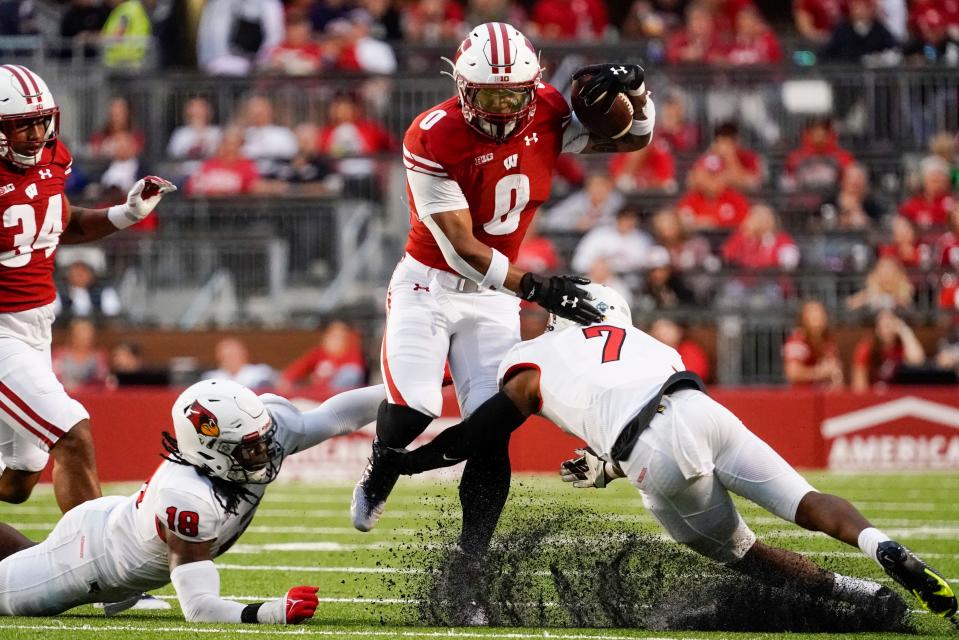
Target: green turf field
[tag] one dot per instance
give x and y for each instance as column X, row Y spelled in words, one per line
column 302, row 535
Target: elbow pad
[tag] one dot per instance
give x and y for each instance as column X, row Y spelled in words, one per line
column 197, row 587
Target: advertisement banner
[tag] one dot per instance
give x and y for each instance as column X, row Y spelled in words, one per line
column 901, row 431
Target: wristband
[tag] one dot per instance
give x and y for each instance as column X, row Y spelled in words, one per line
column 497, row 271
column 645, row 127
column 121, row 217
column 248, row 615
column 635, row 93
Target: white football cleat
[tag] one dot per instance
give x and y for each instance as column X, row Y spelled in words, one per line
column 374, row 487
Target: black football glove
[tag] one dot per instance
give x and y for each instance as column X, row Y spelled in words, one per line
column 561, row 295
column 611, row 78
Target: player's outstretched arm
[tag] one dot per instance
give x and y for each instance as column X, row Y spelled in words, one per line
column 562, row 295
column 342, row 414
column 492, row 423
column 608, row 80
column 87, row 225
column 197, row 584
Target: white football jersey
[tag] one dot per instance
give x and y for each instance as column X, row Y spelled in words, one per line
column 593, row 380
column 177, row 500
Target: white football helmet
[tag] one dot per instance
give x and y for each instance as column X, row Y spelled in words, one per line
column 496, row 70
column 24, row 97
column 606, row 300
column 223, row 429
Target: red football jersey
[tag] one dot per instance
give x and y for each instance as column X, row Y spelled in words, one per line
column 502, row 184
column 34, row 214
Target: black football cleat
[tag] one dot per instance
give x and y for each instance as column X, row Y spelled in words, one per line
column 924, row 582
column 370, row 494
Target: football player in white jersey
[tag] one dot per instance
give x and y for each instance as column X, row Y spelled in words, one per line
column 644, row 417
column 228, row 445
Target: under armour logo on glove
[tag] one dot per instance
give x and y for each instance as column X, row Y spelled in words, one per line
column 569, row 302
column 618, row 70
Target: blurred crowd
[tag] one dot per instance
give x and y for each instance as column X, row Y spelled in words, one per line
column 337, row 363
column 235, row 37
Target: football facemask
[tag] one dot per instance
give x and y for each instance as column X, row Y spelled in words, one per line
column 257, row 458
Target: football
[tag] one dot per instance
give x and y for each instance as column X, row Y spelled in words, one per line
column 609, row 123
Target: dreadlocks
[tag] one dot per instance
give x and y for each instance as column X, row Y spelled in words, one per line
column 228, row 494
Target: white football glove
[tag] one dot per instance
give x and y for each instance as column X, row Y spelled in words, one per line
column 297, row 605
column 589, row 470
column 141, row 201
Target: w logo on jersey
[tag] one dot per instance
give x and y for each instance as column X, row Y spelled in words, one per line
column 31, row 190
column 511, row 162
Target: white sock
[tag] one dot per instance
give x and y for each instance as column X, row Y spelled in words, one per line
column 869, row 540
column 854, row 589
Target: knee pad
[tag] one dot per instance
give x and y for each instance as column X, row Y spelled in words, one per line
column 397, row 425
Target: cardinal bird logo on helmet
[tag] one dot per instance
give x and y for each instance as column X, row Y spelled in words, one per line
column 203, row 420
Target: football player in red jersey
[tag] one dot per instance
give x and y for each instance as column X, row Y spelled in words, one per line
column 478, row 166
column 37, row 417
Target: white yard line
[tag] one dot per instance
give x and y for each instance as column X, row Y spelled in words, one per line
column 307, row 631
column 227, row 566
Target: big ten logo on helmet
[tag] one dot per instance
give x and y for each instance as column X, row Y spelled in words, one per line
column 203, row 420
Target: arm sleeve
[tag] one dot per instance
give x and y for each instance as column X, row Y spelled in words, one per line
column 343, row 413
column 431, row 187
column 197, row 587
column 434, row 194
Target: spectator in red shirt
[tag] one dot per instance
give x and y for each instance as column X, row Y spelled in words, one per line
column 568, row 19
column 673, row 124
column 686, row 251
column 810, row 354
column 726, row 12
column 699, row 42
column 298, row 54
column 759, row 243
column 119, row 120
column 879, row 355
column 819, row 161
column 816, row 19
column 228, row 173
column 742, row 168
column 947, row 245
column 348, row 136
column 433, row 21
column 905, row 247
column 674, row 335
column 712, row 202
column 335, row 365
column 947, row 9
column 650, row 168
column 754, row 42
column 934, row 203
